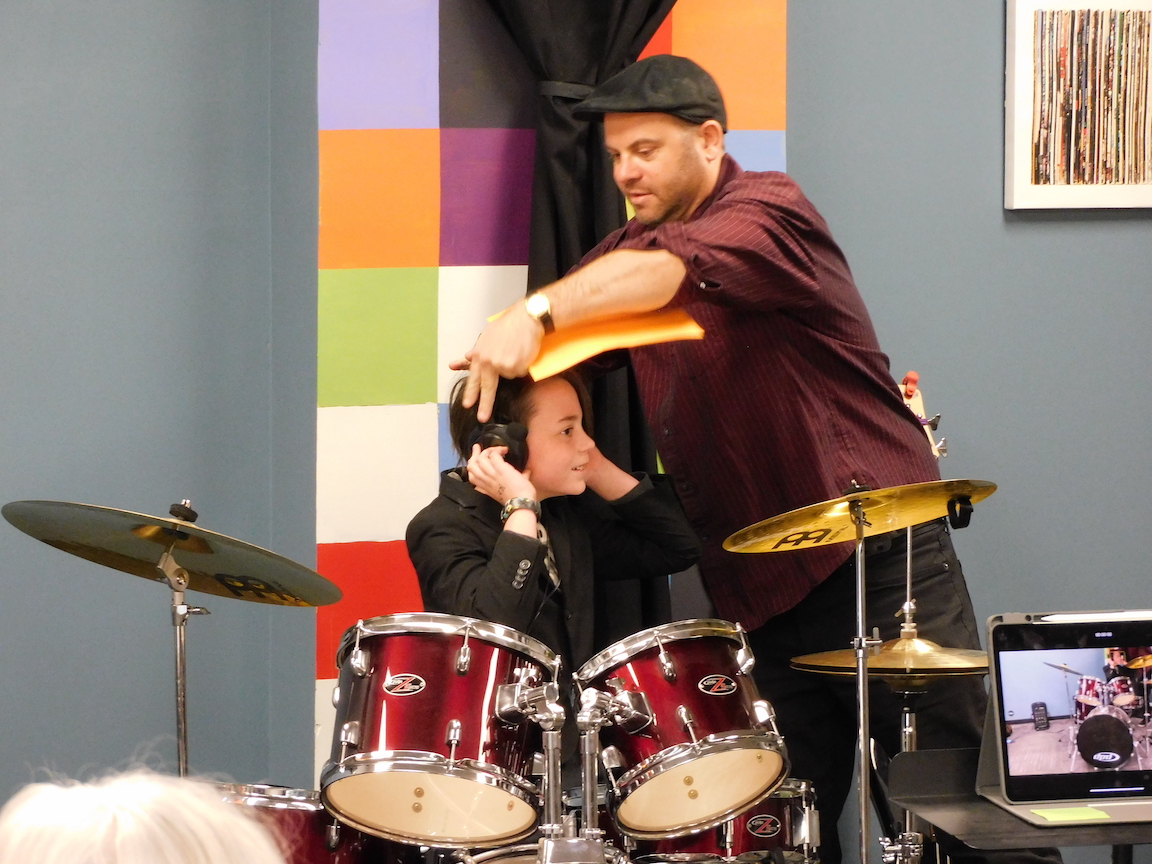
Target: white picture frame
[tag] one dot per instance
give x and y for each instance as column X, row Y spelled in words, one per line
column 1077, row 156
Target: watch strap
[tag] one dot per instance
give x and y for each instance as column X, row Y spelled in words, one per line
column 515, row 504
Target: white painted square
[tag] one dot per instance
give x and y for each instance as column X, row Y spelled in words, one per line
column 376, row 467
column 325, row 722
column 467, row 298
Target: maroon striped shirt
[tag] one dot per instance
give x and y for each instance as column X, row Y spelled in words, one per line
column 786, row 400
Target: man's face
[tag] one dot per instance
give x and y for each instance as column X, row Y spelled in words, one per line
column 658, row 161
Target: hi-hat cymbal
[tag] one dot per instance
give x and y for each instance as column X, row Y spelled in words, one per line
column 831, row 521
column 899, row 658
column 1141, row 662
column 134, row 542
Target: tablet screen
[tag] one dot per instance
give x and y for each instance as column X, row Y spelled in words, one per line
column 1073, row 708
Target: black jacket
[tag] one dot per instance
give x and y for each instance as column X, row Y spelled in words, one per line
column 468, row 565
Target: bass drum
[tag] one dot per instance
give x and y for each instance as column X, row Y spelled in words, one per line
column 419, row 754
column 1104, row 739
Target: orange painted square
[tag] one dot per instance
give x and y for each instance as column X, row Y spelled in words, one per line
column 376, row 578
column 743, row 43
column 379, row 198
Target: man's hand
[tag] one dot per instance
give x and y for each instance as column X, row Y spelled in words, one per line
column 506, row 348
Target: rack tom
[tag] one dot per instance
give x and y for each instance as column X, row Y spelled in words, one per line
column 419, row 754
column 701, row 745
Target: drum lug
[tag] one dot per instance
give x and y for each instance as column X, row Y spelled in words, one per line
column 764, row 715
column 688, row 721
column 538, row 764
column 336, row 696
column 667, row 667
column 464, row 655
column 452, row 738
column 745, row 660
column 332, row 836
column 349, row 737
column 359, row 660
column 612, row 758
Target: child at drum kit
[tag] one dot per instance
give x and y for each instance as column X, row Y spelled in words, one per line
column 536, row 513
column 437, row 712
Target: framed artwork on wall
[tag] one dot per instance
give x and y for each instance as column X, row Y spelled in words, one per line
column 1078, row 104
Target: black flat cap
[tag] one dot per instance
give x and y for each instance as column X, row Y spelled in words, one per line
column 662, row 83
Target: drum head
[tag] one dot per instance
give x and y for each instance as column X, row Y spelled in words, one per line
column 700, row 793
column 433, row 809
column 1104, row 738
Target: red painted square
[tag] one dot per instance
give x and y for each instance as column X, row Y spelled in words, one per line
column 661, row 41
column 376, row 578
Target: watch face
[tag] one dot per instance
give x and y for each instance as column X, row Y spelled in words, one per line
column 537, row 305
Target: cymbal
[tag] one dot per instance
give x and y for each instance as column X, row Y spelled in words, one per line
column 134, row 542
column 899, row 658
column 831, row 521
column 1062, row 667
column 1141, row 662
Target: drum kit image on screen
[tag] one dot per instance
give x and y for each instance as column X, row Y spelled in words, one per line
column 1109, row 718
column 449, row 741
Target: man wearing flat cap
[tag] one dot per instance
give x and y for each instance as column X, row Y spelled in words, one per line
column 786, row 402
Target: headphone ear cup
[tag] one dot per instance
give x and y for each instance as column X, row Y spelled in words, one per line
column 517, row 455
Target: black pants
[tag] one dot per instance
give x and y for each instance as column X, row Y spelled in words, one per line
column 817, row 713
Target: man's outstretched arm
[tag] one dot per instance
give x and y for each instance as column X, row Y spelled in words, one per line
column 625, row 281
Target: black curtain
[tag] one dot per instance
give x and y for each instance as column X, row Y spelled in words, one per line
column 571, row 47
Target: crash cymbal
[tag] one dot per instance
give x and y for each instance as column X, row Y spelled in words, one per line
column 134, row 542
column 831, row 521
column 898, row 658
column 1062, row 667
column 1141, row 662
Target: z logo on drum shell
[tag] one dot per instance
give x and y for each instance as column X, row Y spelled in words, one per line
column 404, row 684
column 764, row 825
column 717, row 685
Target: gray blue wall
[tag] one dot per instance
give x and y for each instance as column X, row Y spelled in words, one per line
column 1031, row 330
column 157, row 340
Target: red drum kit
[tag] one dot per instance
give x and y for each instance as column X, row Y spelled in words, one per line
column 1103, row 714
column 447, row 740
column 447, row 736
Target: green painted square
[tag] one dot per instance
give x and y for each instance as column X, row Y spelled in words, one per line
column 377, row 336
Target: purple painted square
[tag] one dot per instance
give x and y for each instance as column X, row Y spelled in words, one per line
column 379, row 64
column 485, row 196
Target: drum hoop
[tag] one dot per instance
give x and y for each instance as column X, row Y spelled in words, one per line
column 679, row 754
column 621, row 652
column 449, row 625
column 505, row 852
column 421, row 761
column 279, row 797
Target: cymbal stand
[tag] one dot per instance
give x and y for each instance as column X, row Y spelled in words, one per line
column 862, row 643
column 177, row 578
column 908, row 846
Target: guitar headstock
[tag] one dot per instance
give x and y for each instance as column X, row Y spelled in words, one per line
column 914, row 399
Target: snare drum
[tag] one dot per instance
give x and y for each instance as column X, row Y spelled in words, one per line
column 708, row 747
column 1090, row 694
column 1104, row 739
column 419, row 754
column 304, row 830
column 784, row 827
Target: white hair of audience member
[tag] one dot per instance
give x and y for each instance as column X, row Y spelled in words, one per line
column 133, row 818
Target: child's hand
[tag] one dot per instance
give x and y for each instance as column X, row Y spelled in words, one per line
column 494, row 477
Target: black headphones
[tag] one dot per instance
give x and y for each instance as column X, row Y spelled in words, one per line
column 514, row 436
